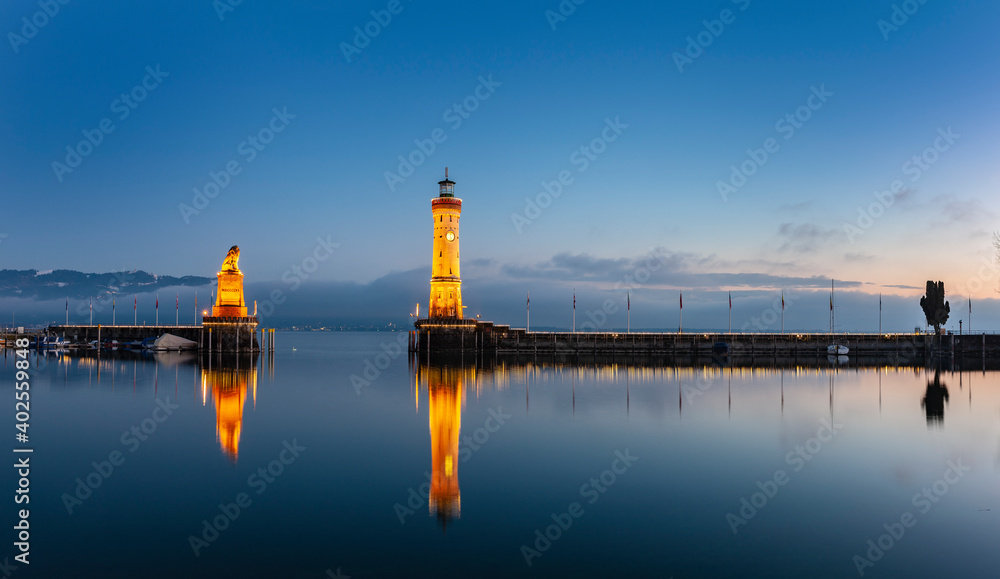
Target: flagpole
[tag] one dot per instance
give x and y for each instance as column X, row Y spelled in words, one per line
column 112, row 311
column 527, row 305
column 680, row 325
column 730, row 312
column 196, row 307
column 91, row 311
column 970, row 313
column 880, row 313
column 157, row 309
column 135, row 307
column 628, row 313
column 574, row 310
column 67, row 311
column 177, row 309
column 782, row 312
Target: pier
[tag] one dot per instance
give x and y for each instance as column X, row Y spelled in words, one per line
column 459, row 335
column 216, row 335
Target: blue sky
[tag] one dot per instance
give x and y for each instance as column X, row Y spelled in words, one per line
column 553, row 86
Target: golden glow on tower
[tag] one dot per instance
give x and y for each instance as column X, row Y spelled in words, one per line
column 446, row 280
column 229, row 303
column 444, row 393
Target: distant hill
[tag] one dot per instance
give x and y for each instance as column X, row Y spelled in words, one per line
column 65, row 283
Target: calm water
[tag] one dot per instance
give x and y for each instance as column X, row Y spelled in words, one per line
column 449, row 471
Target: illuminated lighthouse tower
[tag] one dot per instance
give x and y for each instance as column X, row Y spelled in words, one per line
column 446, row 280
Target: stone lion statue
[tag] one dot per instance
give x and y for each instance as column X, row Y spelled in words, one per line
column 232, row 259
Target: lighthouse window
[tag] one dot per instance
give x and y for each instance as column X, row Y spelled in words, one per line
column 449, row 219
column 440, row 253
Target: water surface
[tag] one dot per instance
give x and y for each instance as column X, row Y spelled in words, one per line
column 346, row 456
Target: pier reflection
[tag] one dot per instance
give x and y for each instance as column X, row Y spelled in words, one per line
column 229, row 378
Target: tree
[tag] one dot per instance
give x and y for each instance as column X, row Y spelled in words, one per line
column 936, row 309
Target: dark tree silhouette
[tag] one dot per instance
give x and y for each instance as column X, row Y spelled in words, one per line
column 936, row 309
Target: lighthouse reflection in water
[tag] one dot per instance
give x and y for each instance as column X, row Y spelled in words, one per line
column 443, row 387
column 229, row 378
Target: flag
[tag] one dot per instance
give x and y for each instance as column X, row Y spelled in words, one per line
column 528, row 303
column 135, row 303
column 970, row 305
column 574, row 300
column 730, row 300
column 67, row 305
column 177, row 301
column 157, row 302
column 112, row 305
column 831, row 302
column 782, row 301
column 682, row 300
column 628, row 302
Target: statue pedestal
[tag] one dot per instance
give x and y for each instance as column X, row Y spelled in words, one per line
column 229, row 303
column 230, row 333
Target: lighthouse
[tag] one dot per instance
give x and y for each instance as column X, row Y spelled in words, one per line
column 446, row 279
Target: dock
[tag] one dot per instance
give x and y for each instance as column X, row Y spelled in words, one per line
column 478, row 336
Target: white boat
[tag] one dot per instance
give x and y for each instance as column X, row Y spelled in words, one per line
column 54, row 342
column 172, row 342
column 835, row 349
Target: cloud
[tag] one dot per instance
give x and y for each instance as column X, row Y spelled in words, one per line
column 803, row 237
column 666, row 269
column 858, row 257
column 956, row 210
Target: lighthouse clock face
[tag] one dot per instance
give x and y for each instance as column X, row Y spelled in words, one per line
column 450, row 236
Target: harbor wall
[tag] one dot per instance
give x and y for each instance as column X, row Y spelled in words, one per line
column 487, row 337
